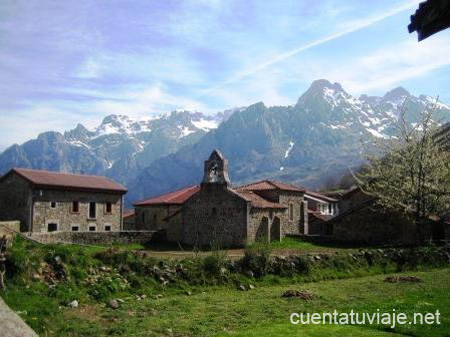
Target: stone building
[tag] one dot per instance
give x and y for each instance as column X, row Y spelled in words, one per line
column 362, row 221
column 215, row 212
column 321, row 209
column 129, row 220
column 46, row 201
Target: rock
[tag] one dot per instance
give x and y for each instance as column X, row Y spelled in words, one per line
column 143, row 296
column 188, row 293
column 159, row 296
column 113, row 304
column 73, row 304
column 120, row 300
column 241, row 287
column 58, row 260
column 251, row 287
column 36, row 277
column 396, row 279
column 306, row 295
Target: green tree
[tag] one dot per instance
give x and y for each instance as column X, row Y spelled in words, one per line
column 410, row 171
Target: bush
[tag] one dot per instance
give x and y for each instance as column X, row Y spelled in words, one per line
column 257, row 258
column 17, row 258
column 216, row 264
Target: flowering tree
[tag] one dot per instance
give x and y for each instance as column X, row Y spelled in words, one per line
column 413, row 174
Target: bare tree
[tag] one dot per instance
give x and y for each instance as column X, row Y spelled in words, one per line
column 410, row 171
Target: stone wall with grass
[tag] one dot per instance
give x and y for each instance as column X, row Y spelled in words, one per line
column 94, row 238
column 9, row 228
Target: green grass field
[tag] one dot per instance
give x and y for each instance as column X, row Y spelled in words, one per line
column 259, row 312
column 207, row 302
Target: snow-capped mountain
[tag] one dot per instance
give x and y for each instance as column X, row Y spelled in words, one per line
column 308, row 143
column 118, row 147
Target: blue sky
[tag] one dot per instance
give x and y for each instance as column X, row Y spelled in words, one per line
column 65, row 62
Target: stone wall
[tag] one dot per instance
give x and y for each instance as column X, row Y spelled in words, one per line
column 15, row 201
column 9, row 228
column 215, row 214
column 174, row 230
column 261, row 224
column 370, row 225
column 155, row 215
column 129, row 223
column 294, row 226
column 66, row 219
column 94, row 238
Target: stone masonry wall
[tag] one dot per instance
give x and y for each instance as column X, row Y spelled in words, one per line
column 370, row 225
column 15, row 201
column 154, row 216
column 215, row 214
column 175, row 228
column 9, row 228
column 296, row 225
column 94, row 238
column 261, row 222
column 66, row 218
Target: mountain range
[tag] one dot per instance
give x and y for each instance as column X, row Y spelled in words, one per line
column 317, row 139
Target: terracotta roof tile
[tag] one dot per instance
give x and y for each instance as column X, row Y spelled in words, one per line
column 320, row 196
column 258, row 201
column 48, row 179
column 269, row 185
column 173, row 198
column 127, row 213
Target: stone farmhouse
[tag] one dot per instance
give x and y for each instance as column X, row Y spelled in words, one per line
column 361, row 220
column 46, row 202
column 321, row 209
column 215, row 212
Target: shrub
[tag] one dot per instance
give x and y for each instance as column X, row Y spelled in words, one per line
column 216, row 263
column 257, row 258
column 17, row 258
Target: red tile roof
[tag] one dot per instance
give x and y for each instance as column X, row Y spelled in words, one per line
column 269, row 185
column 58, row 180
column 172, row 198
column 320, row 196
column 128, row 213
column 258, row 201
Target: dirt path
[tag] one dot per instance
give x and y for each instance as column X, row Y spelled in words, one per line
column 235, row 253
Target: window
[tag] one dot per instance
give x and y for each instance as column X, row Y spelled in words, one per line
column 92, row 210
column 75, row 228
column 75, row 206
column 52, row 227
column 108, row 207
column 107, row 228
column 291, row 211
column 92, row 228
column 53, row 204
column 143, row 216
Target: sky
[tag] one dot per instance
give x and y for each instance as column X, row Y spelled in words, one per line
column 77, row 61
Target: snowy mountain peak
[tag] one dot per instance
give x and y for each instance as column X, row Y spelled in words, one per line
column 320, row 85
column 396, row 94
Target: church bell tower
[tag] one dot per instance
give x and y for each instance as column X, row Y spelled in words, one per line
column 216, row 170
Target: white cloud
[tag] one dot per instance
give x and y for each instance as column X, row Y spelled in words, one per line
column 347, row 28
column 389, row 66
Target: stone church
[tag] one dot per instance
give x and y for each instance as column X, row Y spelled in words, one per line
column 215, row 212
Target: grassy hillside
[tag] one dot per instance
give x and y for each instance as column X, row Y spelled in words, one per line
column 213, row 295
